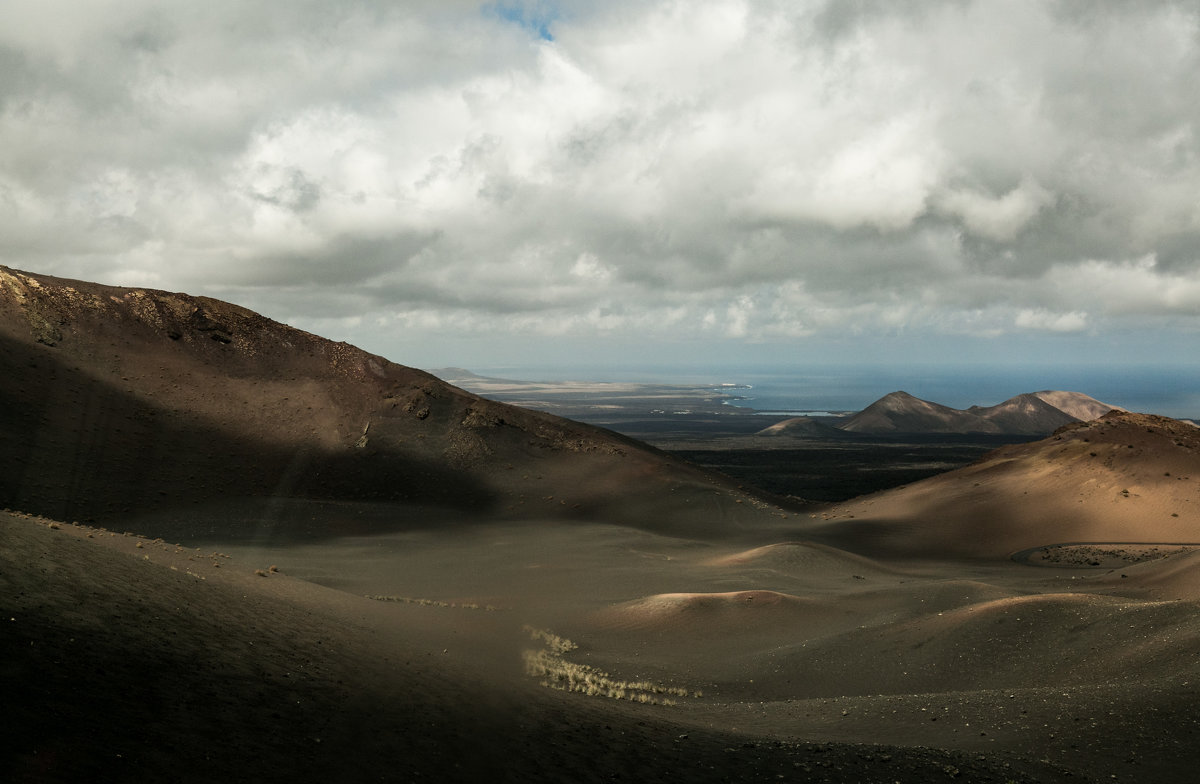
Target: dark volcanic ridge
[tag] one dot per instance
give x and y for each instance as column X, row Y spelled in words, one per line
column 120, row 403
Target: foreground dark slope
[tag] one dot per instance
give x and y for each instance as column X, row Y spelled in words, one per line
column 141, row 405
column 130, row 660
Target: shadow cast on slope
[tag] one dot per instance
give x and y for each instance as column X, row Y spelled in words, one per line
column 73, row 447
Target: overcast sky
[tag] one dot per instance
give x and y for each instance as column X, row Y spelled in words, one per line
column 645, row 182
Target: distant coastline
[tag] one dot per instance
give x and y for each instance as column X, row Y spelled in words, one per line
column 833, row 390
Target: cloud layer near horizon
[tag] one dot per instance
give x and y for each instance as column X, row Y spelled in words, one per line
column 748, row 171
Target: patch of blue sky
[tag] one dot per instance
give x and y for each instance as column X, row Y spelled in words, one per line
column 533, row 15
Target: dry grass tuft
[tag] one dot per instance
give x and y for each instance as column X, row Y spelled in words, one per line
column 550, row 665
column 556, row 644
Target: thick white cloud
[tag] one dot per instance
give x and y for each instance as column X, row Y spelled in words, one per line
column 996, row 218
column 731, row 170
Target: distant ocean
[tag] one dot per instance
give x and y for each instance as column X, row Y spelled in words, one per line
column 1170, row 392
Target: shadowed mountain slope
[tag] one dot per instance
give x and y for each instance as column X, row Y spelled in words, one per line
column 1033, row 413
column 1122, row 478
column 139, row 404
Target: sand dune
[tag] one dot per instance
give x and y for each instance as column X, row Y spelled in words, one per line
column 929, row 637
column 705, row 614
column 1173, row 577
column 804, row 557
column 1122, row 478
column 1001, row 644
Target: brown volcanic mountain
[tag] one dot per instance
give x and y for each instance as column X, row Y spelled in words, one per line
column 900, row 412
column 1026, row 414
column 1082, row 407
column 134, row 404
column 1122, row 478
column 1034, row 413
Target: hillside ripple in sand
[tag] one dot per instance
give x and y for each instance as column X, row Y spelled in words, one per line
column 706, row 612
column 1175, row 576
column 804, row 557
column 1096, row 639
